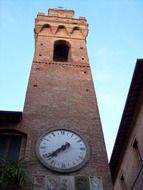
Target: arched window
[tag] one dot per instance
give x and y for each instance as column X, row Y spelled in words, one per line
column 76, row 28
column 11, row 142
column 46, row 26
column 61, row 51
column 61, row 27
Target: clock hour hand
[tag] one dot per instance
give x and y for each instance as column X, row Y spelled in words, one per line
column 63, row 147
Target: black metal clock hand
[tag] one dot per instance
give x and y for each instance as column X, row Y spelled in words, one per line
column 63, row 147
column 52, row 154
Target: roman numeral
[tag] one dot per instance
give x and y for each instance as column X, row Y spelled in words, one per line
column 74, row 163
column 42, row 147
column 53, row 163
column 80, row 157
column 82, row 148
column 79, row 141
column 46, row 139
column 62, row 132
column 63, row 166
column 53, row 134
column 45, row 155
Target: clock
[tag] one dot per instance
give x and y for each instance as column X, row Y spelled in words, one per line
column 62, row 150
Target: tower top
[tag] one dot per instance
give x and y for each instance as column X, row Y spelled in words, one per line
column 61, row 23
column 61, row 13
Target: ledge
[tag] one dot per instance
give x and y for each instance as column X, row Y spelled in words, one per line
column 10, row 116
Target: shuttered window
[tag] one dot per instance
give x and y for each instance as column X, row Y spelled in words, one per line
column 10, row 146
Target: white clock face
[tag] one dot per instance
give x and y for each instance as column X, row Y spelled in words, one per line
column 62, row 150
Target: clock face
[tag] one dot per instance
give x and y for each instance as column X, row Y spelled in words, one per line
column 62, row 150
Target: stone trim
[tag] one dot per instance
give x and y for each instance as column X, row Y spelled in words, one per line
column 68, row 183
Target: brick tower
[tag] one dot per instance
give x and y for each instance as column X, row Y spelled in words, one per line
column 61, row 117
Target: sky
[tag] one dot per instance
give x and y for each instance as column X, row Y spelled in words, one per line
column 114, row 42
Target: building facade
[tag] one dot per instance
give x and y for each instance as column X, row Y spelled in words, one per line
column 60, row 128
column 127, row 157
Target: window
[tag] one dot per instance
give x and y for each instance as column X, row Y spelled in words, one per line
column 61, row 51
column 76, row 28
column 136, row 149
column 46, row 27
column 123, row 184
column 10, row 147
column 11, row 142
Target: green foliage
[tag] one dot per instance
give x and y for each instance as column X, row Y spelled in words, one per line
column 13, row 174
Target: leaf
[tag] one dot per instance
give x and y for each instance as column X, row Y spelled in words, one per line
column 14, row 173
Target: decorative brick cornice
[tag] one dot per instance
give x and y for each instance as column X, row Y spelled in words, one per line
column 61, row 64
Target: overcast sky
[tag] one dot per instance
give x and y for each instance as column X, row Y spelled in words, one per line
column 115, row 41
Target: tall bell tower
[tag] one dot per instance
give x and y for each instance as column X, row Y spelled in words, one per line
column 61, row 115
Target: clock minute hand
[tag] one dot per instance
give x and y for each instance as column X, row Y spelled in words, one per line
column 54, row 153
column 50, row 154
